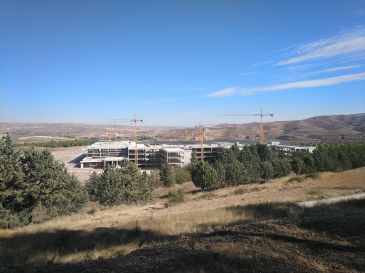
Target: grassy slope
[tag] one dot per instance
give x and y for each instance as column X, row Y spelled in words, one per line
column 223, row 231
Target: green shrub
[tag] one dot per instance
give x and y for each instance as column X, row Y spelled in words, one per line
column 204, row 176
column 175, row 197
column 182, row 175
column 266, row 171
column 124, row 185
column 167, row 175
column 34, row 187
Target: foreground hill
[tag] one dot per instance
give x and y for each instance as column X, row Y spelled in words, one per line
column 310, row 130
column 249, row 228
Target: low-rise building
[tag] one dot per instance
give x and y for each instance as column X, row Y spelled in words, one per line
column 289, row 149
column 102, row 154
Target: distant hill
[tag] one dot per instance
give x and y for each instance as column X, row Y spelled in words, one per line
column 315, row 129
column 310, row 130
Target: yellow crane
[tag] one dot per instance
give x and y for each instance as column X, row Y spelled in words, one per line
column 261, row 126
column 202, row 131
column 134, row 121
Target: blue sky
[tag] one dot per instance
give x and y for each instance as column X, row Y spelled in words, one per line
column 180, row 62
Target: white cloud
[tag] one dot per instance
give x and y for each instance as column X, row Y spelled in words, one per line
column 292, row 85
column 223, row 92
column 343, row 44
column 160, row 101
column 340, row 68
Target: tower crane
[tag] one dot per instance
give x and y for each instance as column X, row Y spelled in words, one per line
column 261, row 126
column 134, row 121
column 202, row 131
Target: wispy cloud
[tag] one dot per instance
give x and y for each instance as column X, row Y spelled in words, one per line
column 224, row 92
column 291, row 85
column 340, row 68
column 348, row 43
column 160, row 101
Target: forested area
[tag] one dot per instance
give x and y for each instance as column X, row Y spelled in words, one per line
column 62, row 143
column 257, row 163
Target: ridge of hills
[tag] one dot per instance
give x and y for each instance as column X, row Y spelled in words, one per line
column 329, row 128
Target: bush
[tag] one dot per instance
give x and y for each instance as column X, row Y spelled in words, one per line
column 34, row 187
column 155, row 179
column 281, row 167
column 175, row 197
column 167, row 175
column 182, row 175
column 266, row 171
column 204, row 176
column 124, row 185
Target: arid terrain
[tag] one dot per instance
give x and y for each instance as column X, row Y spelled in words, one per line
column 249, row 228
column 70, row 157
column 311, row 130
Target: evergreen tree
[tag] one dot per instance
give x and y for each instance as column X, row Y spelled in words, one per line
column 124, row 185
column 204, row 176
column 266, row 170
column 167, row 175
column 235, row 173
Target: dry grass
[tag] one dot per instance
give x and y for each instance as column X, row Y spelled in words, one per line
column 110, row 232
column 315, row 194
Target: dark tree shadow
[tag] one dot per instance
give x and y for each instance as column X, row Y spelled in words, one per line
column 23, row 247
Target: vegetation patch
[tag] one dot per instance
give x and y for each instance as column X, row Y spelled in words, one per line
column 315, row 194
column 62, row 143
column 313, row 175
column 124, row 185
column 295, row 179
column 175, row 197
column 34, row 187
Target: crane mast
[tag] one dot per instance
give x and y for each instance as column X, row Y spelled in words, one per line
column 134, row 121
column 261, row 131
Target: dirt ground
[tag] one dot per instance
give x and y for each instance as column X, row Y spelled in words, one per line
column 282, row 238
column 68, row 156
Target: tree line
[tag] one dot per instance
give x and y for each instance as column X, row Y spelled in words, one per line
column 63, row 143
column 258, row 162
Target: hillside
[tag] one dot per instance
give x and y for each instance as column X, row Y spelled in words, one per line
column 248, row 228
column 314, row 129
column 310, row 130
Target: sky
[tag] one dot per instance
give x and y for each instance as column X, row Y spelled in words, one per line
column 180, row 62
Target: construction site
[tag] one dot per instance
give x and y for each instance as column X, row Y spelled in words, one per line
column 153, row 156
column 147, row 156
column 103, row 154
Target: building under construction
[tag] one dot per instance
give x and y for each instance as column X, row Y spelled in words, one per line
column 103, row 154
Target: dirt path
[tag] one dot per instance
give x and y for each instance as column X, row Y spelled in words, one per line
column 332, row 200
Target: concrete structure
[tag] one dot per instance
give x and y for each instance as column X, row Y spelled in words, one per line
column 102, row 154
column 289, row 149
